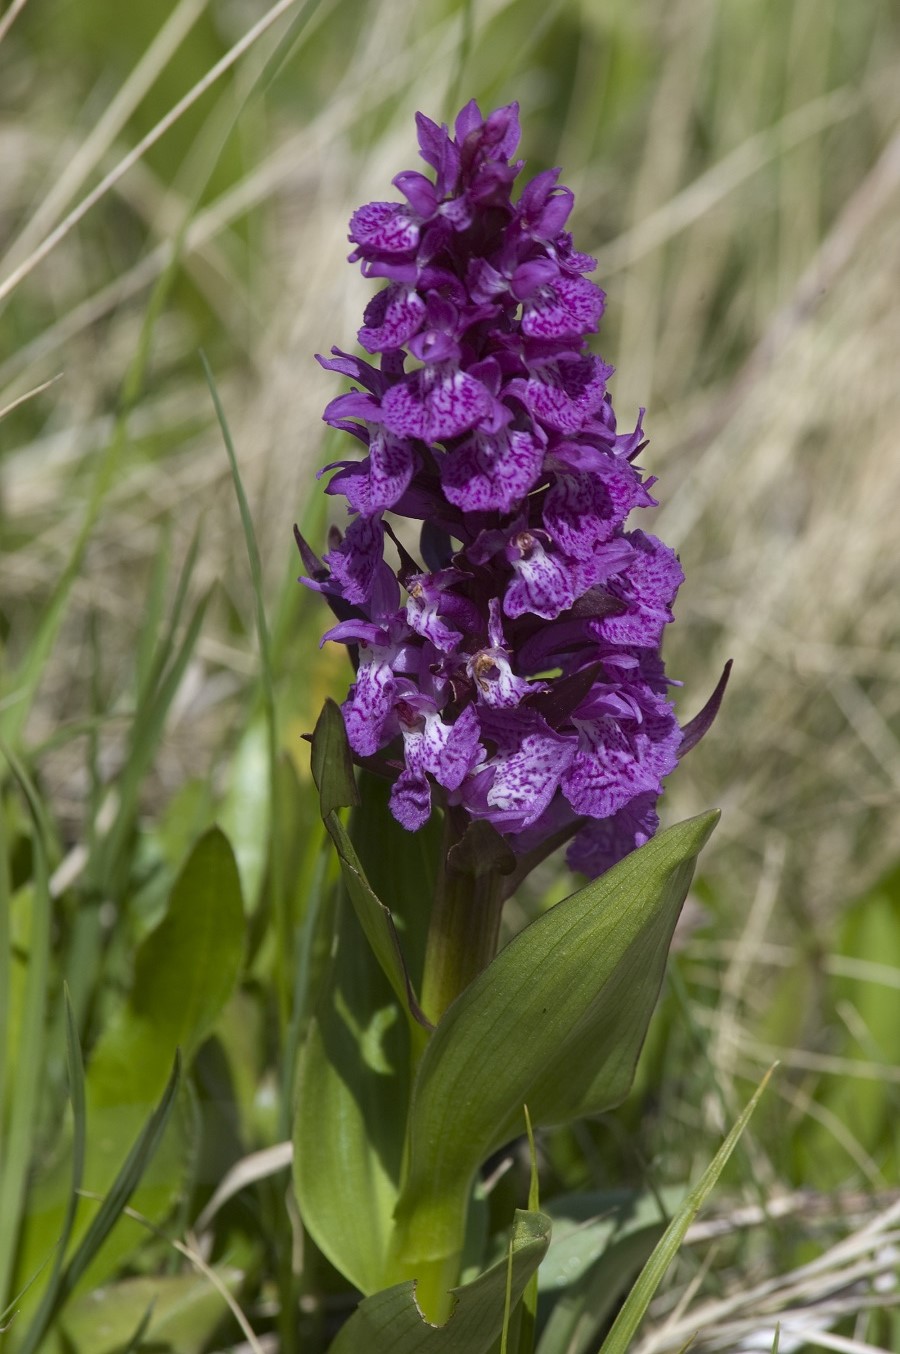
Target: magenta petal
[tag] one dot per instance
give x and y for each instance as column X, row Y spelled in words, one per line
column 527, row 776
column 418, row 191
column 461, row 750
column 584, row 510
column 605, row 773
column 542, row 585
column 564, row 394
column 599, row 845
column 391, row 319
column 391, row 466
column 385, row 226
column 370, row 702
column 492, row 472
column 410, row 800
column 572, row 306
column 648, row 586
column 354, row 562
column 434, row 403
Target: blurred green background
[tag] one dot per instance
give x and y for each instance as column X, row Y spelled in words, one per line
column 736, row 165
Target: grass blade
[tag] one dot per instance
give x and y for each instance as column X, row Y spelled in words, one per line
column 638, row 1300
column 285, row 946
column 123, row 1187
column 16, row 1163
column 147, row 728
column 49, row 1302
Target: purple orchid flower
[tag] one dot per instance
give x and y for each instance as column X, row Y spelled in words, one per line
column 520, row 678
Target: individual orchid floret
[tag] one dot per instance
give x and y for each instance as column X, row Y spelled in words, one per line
column 508, row 661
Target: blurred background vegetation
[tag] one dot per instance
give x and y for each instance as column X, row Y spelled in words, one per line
column 737, row 171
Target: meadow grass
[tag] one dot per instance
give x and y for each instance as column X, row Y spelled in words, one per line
column 177, row 178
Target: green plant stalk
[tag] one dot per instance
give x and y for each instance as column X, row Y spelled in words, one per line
column 463, row 931
column 462, row 940
column 434, row 1279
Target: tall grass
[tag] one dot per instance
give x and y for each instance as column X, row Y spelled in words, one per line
column 179, row 177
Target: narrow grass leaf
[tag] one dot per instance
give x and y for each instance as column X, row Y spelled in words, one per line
column 154, row 657
column 556, row 1022
column 283, row 929
column 390, row 1321
column 51, row 1295
column 136, row 1339
column 22, row 1132
column 635, row 1306
column 5, row 964
column 154, row 605
column 26, row 681
column 124, row 1185
column 528, row 1317
column 184, row 972
column 146, row 731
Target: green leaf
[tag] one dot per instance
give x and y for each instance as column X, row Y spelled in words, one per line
column 187, row 967
column 391, row 1323
column 180, row 1312
column 27, row 1027
column 555, row 1022
column 635, row 1306
column 244, row 814
column 332, row 764
column 581, row 1312
column 277, row 889
column 53, row 1288
column 528, row 1309
column 399, row 865
column 184, row 972
column 124, row 1185
column 333, row 773
column 354, row 1078
column 586, row 1224
column 600, row 1241
column 353, row 1090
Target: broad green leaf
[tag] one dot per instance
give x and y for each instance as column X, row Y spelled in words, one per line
column 581, row 1312
column 354, row 1082
column 585, row 1225
column 352, row 1093
column 600, row 1241
column 400, row 866
column 185, row 1310
column 555, row 1022
column 635, row 1306
column 333, row 773
column 184, row 972
column 390, row 1322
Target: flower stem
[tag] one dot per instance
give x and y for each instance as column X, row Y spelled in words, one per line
column 463, row 932
column 433, row 1283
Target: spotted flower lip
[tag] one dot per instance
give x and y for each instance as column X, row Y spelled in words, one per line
column 510, row 663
